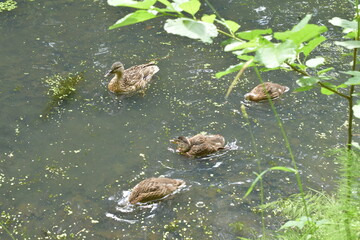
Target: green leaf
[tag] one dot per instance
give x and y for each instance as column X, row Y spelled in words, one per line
column 242, row 56
column 132, row 18
column 233, row 26
column 348, row 26
column 285, row 169
column 342, row 86
column 277, row 54
column 146, row 4
column 307, row 33
column 307, row 81
column 259, row 176
column 292, row 224
column 249, row 35
column 191, row 6
column 208, row 18
column 299, row 223
column 163, row 10
column 356, row 109
column 233, row 45
column 350, row 35
column 192, row 29
column 324, row 71
column 231, row 69
column 176, row 5
column 355, row 80
column 327, row 91
column 311, row 45
column 240, row 45
column 315, row 62
column 349, row 44
column 302, row 23
column 354, row 73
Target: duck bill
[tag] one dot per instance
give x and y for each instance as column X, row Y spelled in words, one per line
column 175, row 141
column 108, row 73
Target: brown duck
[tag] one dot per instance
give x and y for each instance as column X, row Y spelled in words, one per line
column 199, row 145
column 132, row 79
column 153, row 189
column 259, row 92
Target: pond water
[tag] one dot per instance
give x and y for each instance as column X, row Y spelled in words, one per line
column 67, row 175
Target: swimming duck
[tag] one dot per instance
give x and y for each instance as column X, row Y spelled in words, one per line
column 132, row 79
column 153, row 189
column 199, row 145
column 258, row 93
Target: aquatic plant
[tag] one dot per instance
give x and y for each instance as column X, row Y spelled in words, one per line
column 60, row 88
column 329, row 212
column 8, row 5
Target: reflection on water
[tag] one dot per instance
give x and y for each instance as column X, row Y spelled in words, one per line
column 69, row 175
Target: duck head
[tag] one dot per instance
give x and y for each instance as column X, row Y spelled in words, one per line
column 250, row 96
column 117, row 68
column 183, row 143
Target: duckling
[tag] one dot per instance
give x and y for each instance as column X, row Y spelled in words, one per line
column 199, row 145
column 153, row 189
column 258, row 93
column 132, row 79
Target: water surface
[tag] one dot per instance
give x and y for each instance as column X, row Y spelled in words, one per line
column 67, row 174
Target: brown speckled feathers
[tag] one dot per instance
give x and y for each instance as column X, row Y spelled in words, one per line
column 199, row 145
column 132, row 79
column 153, row 189
column 258, row 93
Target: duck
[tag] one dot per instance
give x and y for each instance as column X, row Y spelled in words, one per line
column 258, row 93
column 153, row 189
column 199, row 145
column 131, row 80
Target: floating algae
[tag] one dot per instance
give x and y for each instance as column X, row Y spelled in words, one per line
column 60, row 89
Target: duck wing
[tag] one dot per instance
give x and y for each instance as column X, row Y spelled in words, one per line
column 139, row 74
column 216, row 140
column 153, row 188
column 202, row 150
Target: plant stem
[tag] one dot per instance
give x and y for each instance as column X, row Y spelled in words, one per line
column 229, row 35
column 320, row 83
column 349, row 163
column 334, row 91
column 297, row 174
column 351, row 102
column 253, row 142
column 213, row 9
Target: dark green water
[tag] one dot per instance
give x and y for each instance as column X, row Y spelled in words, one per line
column 66, row 175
